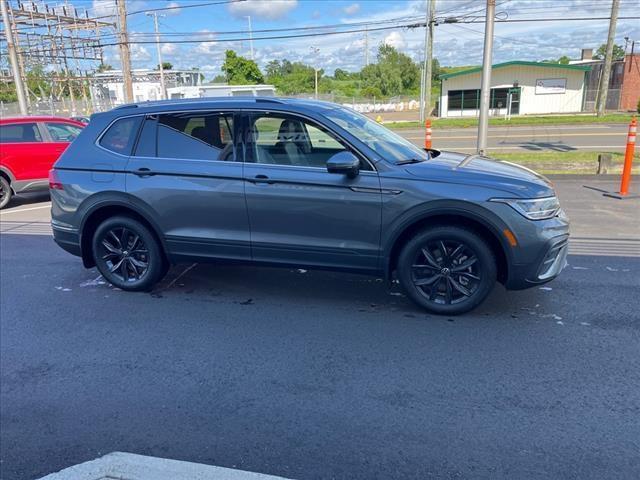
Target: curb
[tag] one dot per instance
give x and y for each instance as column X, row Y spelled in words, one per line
column 130, row 466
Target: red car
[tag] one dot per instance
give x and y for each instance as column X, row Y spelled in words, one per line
column 29, row 146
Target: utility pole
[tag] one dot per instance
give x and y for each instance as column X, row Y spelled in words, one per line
column 315, row 50
column 366, row 45
column 125, row 56
column 485, row 93
column 427, row 84
column 427, row 68
column 250, row 37
column 13, row 58
column 606, row 72
column 163, row 88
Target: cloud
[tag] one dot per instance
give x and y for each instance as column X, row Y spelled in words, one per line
column 169, row 49
column 263, row 9
column 351, row 9
column 396, row 40
column 139, row 53
column 175, row 9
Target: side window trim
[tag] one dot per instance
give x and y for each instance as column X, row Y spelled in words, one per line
column 44, row 133
column 247, row 115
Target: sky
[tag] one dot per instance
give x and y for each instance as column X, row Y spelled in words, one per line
column 454, row 44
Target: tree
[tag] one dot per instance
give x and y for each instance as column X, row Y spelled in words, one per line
column 435, row 71
column 240, row 70
column 564, row 60
column 618, row 52
column 104, row 67
column 393, row 74
column 220, row 78
column 340, row 74
column 165, row 66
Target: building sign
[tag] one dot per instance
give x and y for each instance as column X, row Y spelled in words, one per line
column 546, row 86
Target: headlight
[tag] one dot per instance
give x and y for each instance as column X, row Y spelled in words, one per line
column 534, row 208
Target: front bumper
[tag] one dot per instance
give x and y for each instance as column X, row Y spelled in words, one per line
column 545, row 268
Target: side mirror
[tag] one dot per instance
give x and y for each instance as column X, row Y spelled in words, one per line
column 344, row 162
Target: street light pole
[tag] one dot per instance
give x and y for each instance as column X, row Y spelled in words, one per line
column 163, row 88
column 13, row 59
column 250, row 37
column 485, row 94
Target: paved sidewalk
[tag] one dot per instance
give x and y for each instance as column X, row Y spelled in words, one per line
column 129, row 466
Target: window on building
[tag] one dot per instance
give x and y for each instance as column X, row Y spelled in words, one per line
column 470, row 99
column 499, row 97
column 464, row 99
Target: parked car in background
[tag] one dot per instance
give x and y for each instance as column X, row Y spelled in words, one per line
column 81, row 119
column 300, row 183
column 29, row 146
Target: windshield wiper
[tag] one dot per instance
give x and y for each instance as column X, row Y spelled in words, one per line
column 410, row 160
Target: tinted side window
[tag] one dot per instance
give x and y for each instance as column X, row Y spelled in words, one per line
column 146, row 146
column 121, row 135
column 20, row 133
column 197, row 136
column 288, row 140
column 63, row 132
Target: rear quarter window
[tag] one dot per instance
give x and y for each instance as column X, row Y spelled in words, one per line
column 121, row 135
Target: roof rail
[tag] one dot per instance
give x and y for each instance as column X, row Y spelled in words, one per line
column 127, row 105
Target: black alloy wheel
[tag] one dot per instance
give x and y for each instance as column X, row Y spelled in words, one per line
column 127, row 254
column 447, row 270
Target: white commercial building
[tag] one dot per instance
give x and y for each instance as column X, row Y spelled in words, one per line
column 517, row 88
column 107, row 88
column 224, row 90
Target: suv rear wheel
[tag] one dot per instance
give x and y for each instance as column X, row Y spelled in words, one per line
column 5, row 192
column 127, row 254
column 447, row 270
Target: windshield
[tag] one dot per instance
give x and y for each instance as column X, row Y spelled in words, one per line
column 387, row 144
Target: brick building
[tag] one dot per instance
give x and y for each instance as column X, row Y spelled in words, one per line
column 630, row 94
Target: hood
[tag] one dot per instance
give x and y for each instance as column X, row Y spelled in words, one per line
column 452, row 167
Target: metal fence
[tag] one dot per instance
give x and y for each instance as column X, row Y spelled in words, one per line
column 63, row 107
column 591, row 95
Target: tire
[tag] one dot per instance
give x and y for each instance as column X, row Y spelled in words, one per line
column 448, row 284
column 5, row 192
column 127, row 254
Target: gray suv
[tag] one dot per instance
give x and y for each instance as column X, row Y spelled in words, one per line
column 298, row 183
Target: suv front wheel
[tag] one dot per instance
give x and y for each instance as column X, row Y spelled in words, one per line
column 127, row 254
column 447, row 270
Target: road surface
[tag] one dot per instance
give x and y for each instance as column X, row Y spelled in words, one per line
column 531, row 138
column 313, row 375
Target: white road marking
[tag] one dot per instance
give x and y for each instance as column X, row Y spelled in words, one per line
column 532, row 136
column 7, row 212
column 141, row 467
column 537, row 150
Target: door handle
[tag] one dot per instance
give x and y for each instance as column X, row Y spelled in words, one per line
column 143, row 172
column 262, row 179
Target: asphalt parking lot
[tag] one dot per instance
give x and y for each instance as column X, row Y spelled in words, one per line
column 313, row 375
